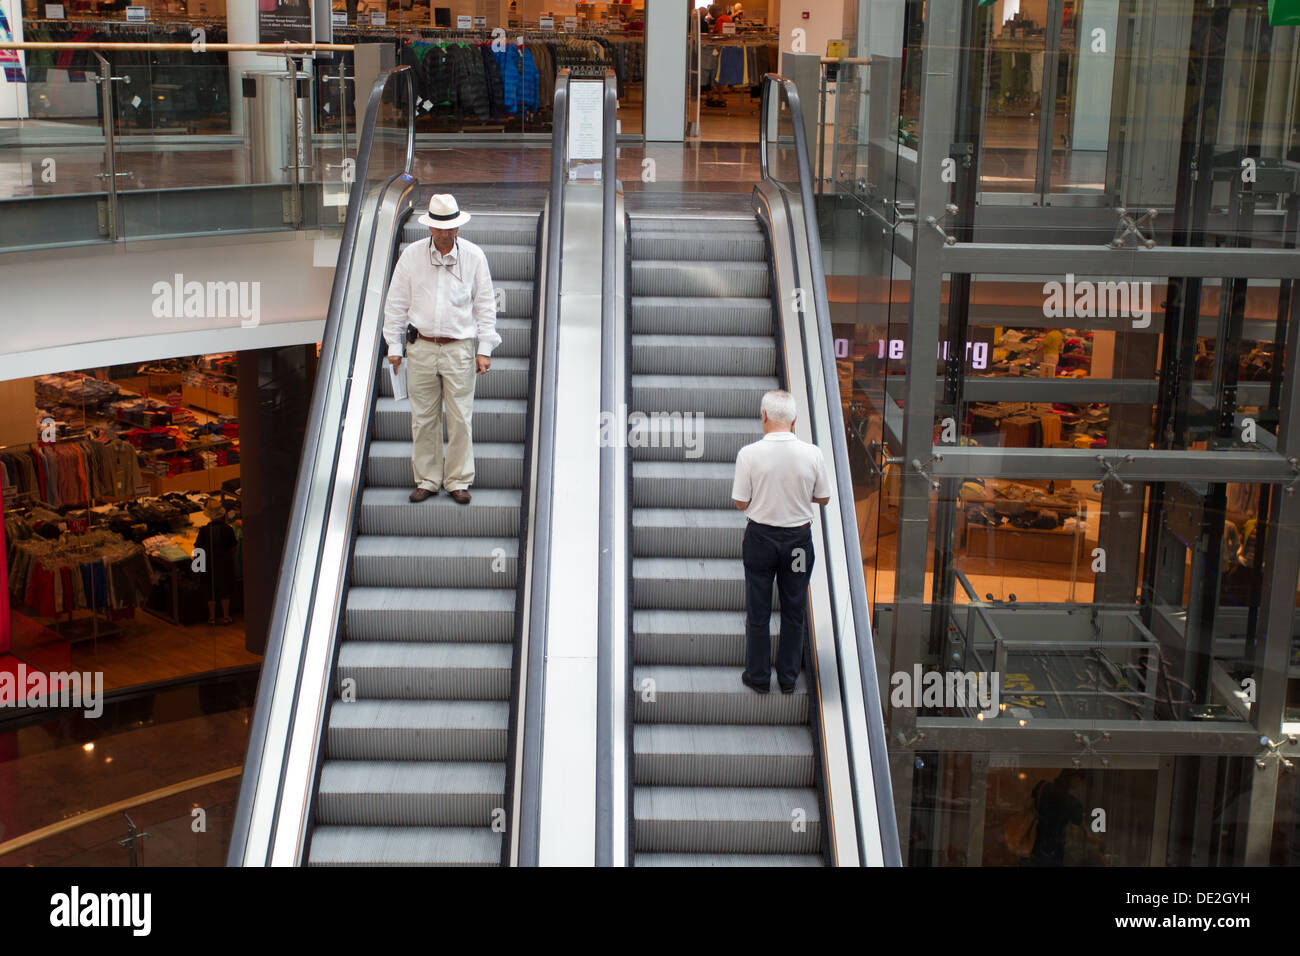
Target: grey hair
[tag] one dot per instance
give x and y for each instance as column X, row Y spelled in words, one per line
column 779, row 406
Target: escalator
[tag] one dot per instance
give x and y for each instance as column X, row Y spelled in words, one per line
column 414, row 769
column 388, row 728
column 722, row 774
column 727, row 300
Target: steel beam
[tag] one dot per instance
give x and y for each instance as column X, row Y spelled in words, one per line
column 1080, row 463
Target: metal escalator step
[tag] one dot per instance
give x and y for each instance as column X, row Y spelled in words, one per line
column 492, row 512
column 682, row 484
column 483, row 615
column 739, row 219
column 413, row 562
column 712, row 695
column 496, row 465
column 727, row 819
column 676, row 315
column 728, row 859
column 495, row 420
column 516, row 338
column 508, row 378
column 739, row 246
column 736, row 396
column 672, row 436
column 687, row 532
column 388, row 670
column 712, row 279
column 712, row 355
column 509, row 260
column 404, row 846
column 409, row 792
column 709, row 638
column 417, row 730
column 704, row 584
column 720, row 755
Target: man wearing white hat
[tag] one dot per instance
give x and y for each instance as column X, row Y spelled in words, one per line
column 440, row 301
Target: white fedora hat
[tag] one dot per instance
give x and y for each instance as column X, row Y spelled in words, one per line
column 444, row 213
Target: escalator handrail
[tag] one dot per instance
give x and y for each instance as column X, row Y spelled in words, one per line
column 608, row 809
column 312, row 438
column 540, row 558
column 774, row 84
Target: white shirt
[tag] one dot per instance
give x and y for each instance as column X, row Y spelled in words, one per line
column 442, row 296
column 779, row 476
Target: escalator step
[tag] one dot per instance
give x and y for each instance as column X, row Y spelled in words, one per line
column 735, row 396
column 388, row 670
column 508, row 378
column 727, row 819
column 728, row 859
column 417, row 730
column 677, row 437
column 404, row 846
column 479, row 615
column 709, row 638
column 682, row 484
column 668, row 315
column 495, row 420
column 712, row 279
column 496, row 465
column 411, row 562
column 410, row 792
column 711, row 355
column 712, row 695
column 688, row 532
column 686, row 755
column 492, row 512
column 704, row 584
column 740, row 246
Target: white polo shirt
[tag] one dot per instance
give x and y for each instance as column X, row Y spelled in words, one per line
column 779, row 476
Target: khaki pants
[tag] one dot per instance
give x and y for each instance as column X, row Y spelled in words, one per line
column 439, row 376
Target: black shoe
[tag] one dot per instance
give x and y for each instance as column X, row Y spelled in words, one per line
column 754, row 685
column 787, row 688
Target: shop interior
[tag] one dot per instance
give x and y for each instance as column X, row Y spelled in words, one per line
column 1031, row 540
column 121, row 499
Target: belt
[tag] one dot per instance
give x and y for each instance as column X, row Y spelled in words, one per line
column 440, row 339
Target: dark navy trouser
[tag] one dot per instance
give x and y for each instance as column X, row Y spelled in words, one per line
column 786, row 555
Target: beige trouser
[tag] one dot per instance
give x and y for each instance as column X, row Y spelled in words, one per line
column 438, row 376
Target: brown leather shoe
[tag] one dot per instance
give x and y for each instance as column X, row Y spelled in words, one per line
column 422, row 494
column 460, row 496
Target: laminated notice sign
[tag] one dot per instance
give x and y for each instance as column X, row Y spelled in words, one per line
column 54, row 11
column 480, row 23
column 585, row 130
column 379, row 18
column 546, row 23
column 464, row 23
column 136, row 14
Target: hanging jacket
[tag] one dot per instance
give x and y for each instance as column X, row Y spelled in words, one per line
column 472, row 83
column 531, row 92
column 508, row 66
column 495, row 88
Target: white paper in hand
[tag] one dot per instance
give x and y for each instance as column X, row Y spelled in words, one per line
column 398, row 377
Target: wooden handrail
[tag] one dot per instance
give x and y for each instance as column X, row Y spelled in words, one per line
column 99, row 813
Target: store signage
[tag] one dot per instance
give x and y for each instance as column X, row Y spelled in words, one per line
column 173, row 399
column 363, row 19
column 339, row 19
column 977, row 353
column 480, row 23
column 546, row 23
column 379, row 18
column 570, row 23
column 465, row 23
column 137, row 14
column 728, row 29
column 54, row 11
column 285, row 22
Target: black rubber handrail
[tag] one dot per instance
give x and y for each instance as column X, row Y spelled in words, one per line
column 533, row 730
column 606, row 692
column 784, row 88
column 312, row 436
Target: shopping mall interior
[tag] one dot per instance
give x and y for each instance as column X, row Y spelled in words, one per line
column 1027, row 267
